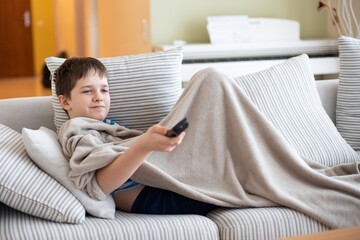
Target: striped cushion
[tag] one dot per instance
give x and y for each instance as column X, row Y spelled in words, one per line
column 287, row 95
column 44, row 149
column 143, row 87
column 16, row 225
column 348, row 97
column 263, row 223
column 25, row 187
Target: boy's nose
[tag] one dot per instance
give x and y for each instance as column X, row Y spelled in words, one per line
column 98, row 97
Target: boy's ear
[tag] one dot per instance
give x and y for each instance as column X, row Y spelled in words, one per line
column 64, row 102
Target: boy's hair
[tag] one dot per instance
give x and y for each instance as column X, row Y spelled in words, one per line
column 74, row 69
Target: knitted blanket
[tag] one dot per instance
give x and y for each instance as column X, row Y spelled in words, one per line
column 231, row 156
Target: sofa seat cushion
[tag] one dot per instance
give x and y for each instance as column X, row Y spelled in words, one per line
column 263, row 223
column 17, row 225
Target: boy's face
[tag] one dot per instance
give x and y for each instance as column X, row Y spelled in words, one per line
column 89, row 98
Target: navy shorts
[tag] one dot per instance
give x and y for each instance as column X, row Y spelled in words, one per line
column 159, row 201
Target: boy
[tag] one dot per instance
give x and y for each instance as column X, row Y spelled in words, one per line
column 83, row 91
column 232, row 155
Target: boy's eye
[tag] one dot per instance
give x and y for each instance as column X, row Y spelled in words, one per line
column 86, row 91
column 105, row 90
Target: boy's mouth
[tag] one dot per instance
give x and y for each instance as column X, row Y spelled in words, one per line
column 97, row 107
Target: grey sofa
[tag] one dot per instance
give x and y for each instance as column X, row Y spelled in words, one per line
column 248, row 223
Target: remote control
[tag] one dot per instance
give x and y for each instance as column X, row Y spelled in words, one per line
column 178, row 128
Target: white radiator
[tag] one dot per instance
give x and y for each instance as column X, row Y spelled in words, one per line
column 245, row 58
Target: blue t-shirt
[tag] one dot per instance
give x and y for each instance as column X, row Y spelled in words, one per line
column 129, row 183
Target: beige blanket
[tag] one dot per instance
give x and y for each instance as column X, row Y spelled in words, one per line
column 231, row 156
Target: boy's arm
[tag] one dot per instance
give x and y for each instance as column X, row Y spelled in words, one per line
column 123, row 167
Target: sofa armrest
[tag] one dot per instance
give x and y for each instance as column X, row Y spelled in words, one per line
column 328, row 93
column 29, row 112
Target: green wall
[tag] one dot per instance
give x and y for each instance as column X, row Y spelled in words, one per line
column 186, row 19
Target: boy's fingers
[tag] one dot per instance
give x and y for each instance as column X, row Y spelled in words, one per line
column 158, row 129
column 177, row 140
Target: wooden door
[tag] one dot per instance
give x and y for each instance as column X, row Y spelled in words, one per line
column 124, row 27
column 16, row 48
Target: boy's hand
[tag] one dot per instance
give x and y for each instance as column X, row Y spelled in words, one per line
column 155, row 139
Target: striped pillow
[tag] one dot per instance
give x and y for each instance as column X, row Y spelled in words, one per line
column 143, row 87
column 287, row 95
column 23, row 186
column 348, row 96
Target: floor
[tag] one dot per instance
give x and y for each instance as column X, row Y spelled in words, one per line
column 22, row 87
